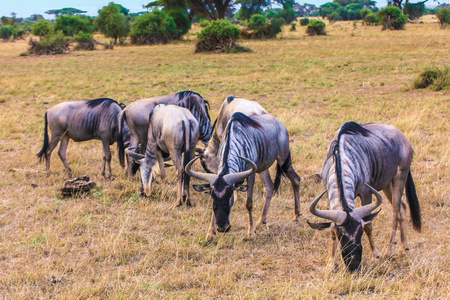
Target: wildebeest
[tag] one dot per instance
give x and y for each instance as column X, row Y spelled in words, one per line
column 136, row 118
column 208, row 156
column 173, row 130
column 364, row 159
column 82, row 121
column 258, row 141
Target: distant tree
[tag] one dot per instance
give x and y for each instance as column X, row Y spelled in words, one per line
column 153, row 28
column 70, row 25
column 7, row 31
column 251, row 7
column 392, row 18
column 65, row 11
column 306, row 10
column 177, row 10
column 112, row 23
column 414, row 10
column 42, row 27
column 211, row 9
column 443, row 14
column 35, row 17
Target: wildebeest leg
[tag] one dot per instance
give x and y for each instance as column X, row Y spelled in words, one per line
column 368, row 228
column 269, row 189
column 106, row 159
column 295, row 181
column 398, row 209
column 176, row 159
column 162, row 171
column 62, row 152
column 249, row 205
column 332, row 259
column 186, row 178
column 212, row 229
column 56, row 137
column 133, row 143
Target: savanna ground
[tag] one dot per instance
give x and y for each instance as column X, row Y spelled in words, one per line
column 116, row 244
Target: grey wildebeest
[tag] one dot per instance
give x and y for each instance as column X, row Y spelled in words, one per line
column 174, row 130
column 364, row 159
column 136, row 117
column 258, row 141
column 208, row 156
column 82, row 121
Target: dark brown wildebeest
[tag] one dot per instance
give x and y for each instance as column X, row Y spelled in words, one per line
column 362, row 160
column 82, row 121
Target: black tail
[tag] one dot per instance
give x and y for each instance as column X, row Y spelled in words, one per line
column 281, row 170
column 413, row 201
column 120, row 143
column 43, row 152
column 187, row 154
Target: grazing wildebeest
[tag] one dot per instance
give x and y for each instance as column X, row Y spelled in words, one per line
column 136, row 117
column 173, row 130
column 362, row 160
column 258, row 141
column 82, row 121
column 208, row 156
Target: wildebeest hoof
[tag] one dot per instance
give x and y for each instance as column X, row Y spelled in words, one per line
column 406, row 249
column 178, row 204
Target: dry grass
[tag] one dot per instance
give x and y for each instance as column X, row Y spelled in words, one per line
column 115, row 244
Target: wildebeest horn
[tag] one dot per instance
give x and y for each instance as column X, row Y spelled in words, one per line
column 336, row 216
column 134, row 155
column 210, row 178
column 364, row 210
column 236, row 177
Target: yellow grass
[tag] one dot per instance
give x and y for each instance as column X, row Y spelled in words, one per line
column 115, row 244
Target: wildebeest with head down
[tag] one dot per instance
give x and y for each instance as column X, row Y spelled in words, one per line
column 258, row 141
column 362, row 160
column 82, row 121
column 173, row 130
column 230, row 105
column 136, row 118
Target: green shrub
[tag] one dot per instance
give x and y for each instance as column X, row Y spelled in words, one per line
column 316, row 27
column 204, row 23
column 443, row 15
column 304, row 21
column 334, row 16
column 42, row 27
column 434, row 78
column 70, row 25
column 392, row 18
column 50, row 44
column 287, row 14
column 219, row 36
column 257, row 21
column 153, row 28
column 181, row 21
column 84, row 41
column 371, row 19
column 262, row 28
column 293, row 26
column 7, row 31
column 364, row 12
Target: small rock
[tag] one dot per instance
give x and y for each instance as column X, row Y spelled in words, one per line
column 77, row 185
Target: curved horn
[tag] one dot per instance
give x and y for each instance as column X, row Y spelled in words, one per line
column 364, row 210
column 235, row 177
column 210, row 178
column 134, row 155
column 336, row 216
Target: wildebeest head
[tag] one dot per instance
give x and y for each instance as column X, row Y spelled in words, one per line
column 145, row 168
column 209, row 161
column 348, row 227
column 221, row 188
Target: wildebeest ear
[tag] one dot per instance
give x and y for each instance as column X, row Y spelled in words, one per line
column 319, row 226
column 370, row 218
column 205, row 188
column 241, row 188
column 199, row 150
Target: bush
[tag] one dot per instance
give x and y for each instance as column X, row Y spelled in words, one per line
column 70, row 25
column 392, row 18
column 443, row 15
column 262, row 28
column 7, row 31
column 204, row 23
column 220, row 36
column 42, row 27
column 293, row 27
column 434, row 78
column 371, row 19
column 364, row 12
column 287, row 14
column 316, row 27
column 334, row 16
column 112, row 23
column 181, row 21
column 153, row 28
column 304, row 21
column 84, row 41
column 50, row 44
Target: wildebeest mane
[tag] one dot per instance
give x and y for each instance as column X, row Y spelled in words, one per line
column 351, row 128
column 199, row 109
column 106, row 102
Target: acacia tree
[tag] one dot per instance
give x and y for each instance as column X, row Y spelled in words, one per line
column 211, row 9
column 65, row 11
column 112, row 23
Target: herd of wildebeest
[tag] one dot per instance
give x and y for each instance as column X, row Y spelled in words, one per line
column 244, row 140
